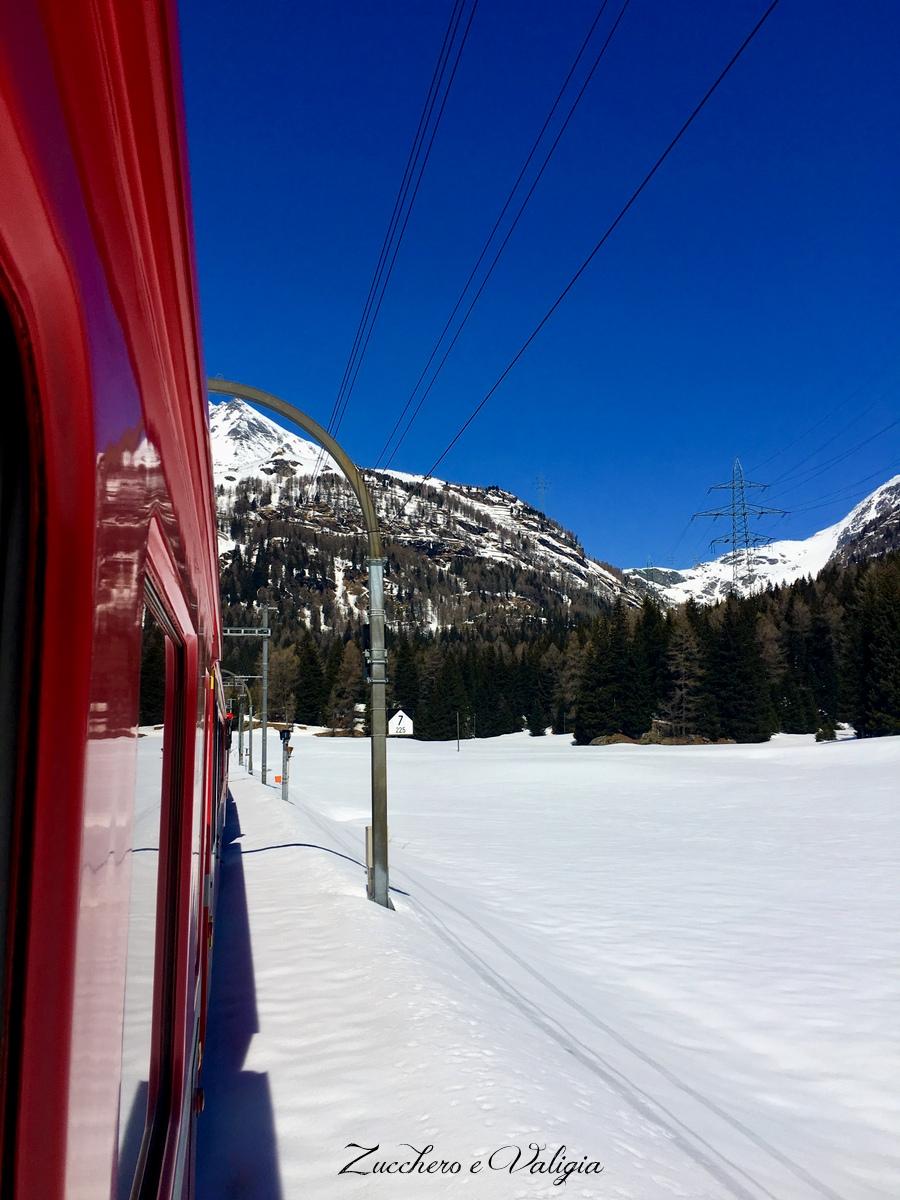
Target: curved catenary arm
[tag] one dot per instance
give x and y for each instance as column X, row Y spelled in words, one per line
column 378, row 886
column 227, row 387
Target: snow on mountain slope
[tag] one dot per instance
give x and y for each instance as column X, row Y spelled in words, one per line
column 439, row 519
column 872, row 527
column 246, row 443
column 446, row 521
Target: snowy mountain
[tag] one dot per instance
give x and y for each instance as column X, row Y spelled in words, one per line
column 480, row 548
column 246, row 443
column 873, row 527
column 263, row 474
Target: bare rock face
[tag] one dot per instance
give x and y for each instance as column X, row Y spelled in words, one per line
column 873, row 528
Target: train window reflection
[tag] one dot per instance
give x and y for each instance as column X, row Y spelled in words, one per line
column 143, row 907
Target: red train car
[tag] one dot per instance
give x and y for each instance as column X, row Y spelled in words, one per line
column 111, row 755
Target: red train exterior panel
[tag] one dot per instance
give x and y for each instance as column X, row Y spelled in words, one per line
column 96, row 268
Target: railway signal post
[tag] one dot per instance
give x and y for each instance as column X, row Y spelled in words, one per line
column 286, row 751
column 250, row 736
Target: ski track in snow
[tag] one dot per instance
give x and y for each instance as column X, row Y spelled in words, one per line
column 679, row 961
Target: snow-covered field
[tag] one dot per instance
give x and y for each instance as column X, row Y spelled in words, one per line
column 682, row 963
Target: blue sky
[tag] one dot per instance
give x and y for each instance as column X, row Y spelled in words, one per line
column 748, row 305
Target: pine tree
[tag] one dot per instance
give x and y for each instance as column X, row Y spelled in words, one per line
column 742, row 691
column 406, row 677
column 333, row 660
column 591, row 717
column 537, row 719
column 683, row 706
column 550, row 669
column 873, row 657
column 310, row 693
column 284, row 668
column 619, row 702
column 651, row 675
column 348, row 688
column 570, row 680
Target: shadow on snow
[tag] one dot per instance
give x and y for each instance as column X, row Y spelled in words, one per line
column 237, row 1152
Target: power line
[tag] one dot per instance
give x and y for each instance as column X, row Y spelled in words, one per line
column 413, row 169
column 400, row 199
column 841, row 492
column 610, row 229
column 821, row 468
column 843, row 429
column 828, row 415
column 408, row 214
column 679, row 539
column 399, row 203
column 498, row 222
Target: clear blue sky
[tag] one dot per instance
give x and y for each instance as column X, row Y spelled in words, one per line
column 753, row 291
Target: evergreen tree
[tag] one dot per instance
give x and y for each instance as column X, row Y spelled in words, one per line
column 348, row 690
column 570, row 680
column 550, row 692
column 284, row 667
column 744, row 699
column 873, row 654
column 406, row 677
column 333, row 660
column 651, row 675
column 683, row 706
column 823, row 666
column 537, row 719
column 591, row 718
column 620, row 705
column 310, row 694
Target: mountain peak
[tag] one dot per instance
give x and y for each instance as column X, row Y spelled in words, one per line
column 871, row 528
column 246, row 443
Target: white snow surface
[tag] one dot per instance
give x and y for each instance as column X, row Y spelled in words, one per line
column 680, row 962
column 245, row 443
column 779, row 563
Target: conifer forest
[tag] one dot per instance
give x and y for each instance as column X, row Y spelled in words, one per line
column 801, row 658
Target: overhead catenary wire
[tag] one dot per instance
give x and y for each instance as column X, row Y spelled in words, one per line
column 497, row 223
column 399, row 204
column 400, row 199
column 407, row 216
column 415, row 166
column 698, row 108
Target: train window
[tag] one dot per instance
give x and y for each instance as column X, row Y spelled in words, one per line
column 20, row 555
column 148, row 867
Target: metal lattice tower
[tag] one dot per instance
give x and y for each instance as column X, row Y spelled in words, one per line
column 741, row 510
column 543, row 485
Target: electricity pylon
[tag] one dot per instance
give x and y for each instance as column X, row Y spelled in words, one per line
column 543, row 485
column 742, row 537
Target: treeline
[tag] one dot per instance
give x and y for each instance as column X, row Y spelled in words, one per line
column 799, row 659
column 795, row 659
